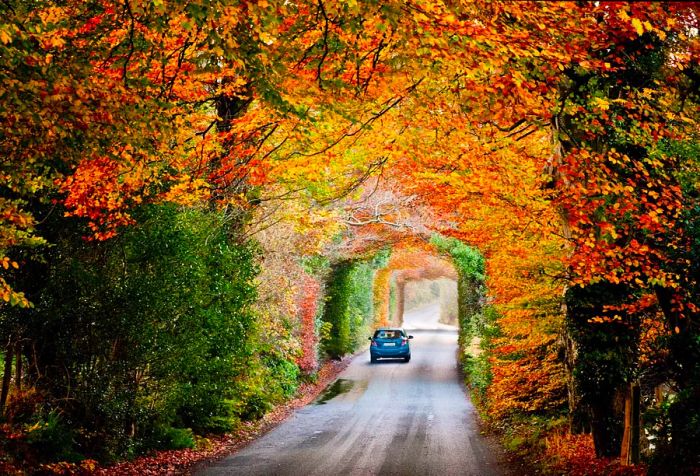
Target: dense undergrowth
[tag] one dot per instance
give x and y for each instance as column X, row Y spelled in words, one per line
column 141, row 342
column 148, row 340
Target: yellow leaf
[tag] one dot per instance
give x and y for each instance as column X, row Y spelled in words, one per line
column 601, row 104
column 418, row 16
column 5, row 37
column 638, row 26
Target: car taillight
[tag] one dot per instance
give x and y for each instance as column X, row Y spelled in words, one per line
column 373, row 344
column 404, row 341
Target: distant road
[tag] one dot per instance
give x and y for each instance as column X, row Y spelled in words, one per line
column 389, row 418
column 426, row 317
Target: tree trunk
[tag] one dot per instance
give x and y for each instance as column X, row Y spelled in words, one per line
column 7, row 375
column 229, row 108
column 18, row 367
column 607, row 428
column 381, row 291
column 605, row 356
column 579, row 418
column 400, row 296
column 630, row 439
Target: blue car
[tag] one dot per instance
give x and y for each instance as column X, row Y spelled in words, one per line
column 390, row 343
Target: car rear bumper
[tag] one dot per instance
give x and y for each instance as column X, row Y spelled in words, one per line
column 389, row 353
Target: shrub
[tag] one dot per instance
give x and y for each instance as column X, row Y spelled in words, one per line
column 23, row 405
column 148, row 330
column 52, row 439
column 169, row 438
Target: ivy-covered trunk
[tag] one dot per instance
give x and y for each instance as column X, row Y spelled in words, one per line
column 607, row 347
column 683, row 452
column 470, row 291
column 579, row 419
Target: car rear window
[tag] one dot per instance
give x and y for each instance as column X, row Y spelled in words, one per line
column 388, row 334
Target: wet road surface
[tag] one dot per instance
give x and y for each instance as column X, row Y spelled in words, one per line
column 389, row 418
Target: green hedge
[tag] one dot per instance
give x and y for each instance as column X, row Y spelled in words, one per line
column 139, row 338
column 470, row 267
column 349, row 310
column 476, row 320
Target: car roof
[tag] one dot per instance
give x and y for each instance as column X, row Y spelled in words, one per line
column 390, row 329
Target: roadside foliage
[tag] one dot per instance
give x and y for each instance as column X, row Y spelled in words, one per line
column 202, row 201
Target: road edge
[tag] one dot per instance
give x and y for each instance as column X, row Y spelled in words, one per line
column 512, row 464
column 327, row 374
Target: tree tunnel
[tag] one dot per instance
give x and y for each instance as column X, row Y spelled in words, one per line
column 372, row 293
column 255, row 184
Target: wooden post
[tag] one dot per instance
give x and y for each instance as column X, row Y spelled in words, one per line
column 629, row 453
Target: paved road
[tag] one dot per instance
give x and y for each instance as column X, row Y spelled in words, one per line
column 389, row 418
column 426, row 317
